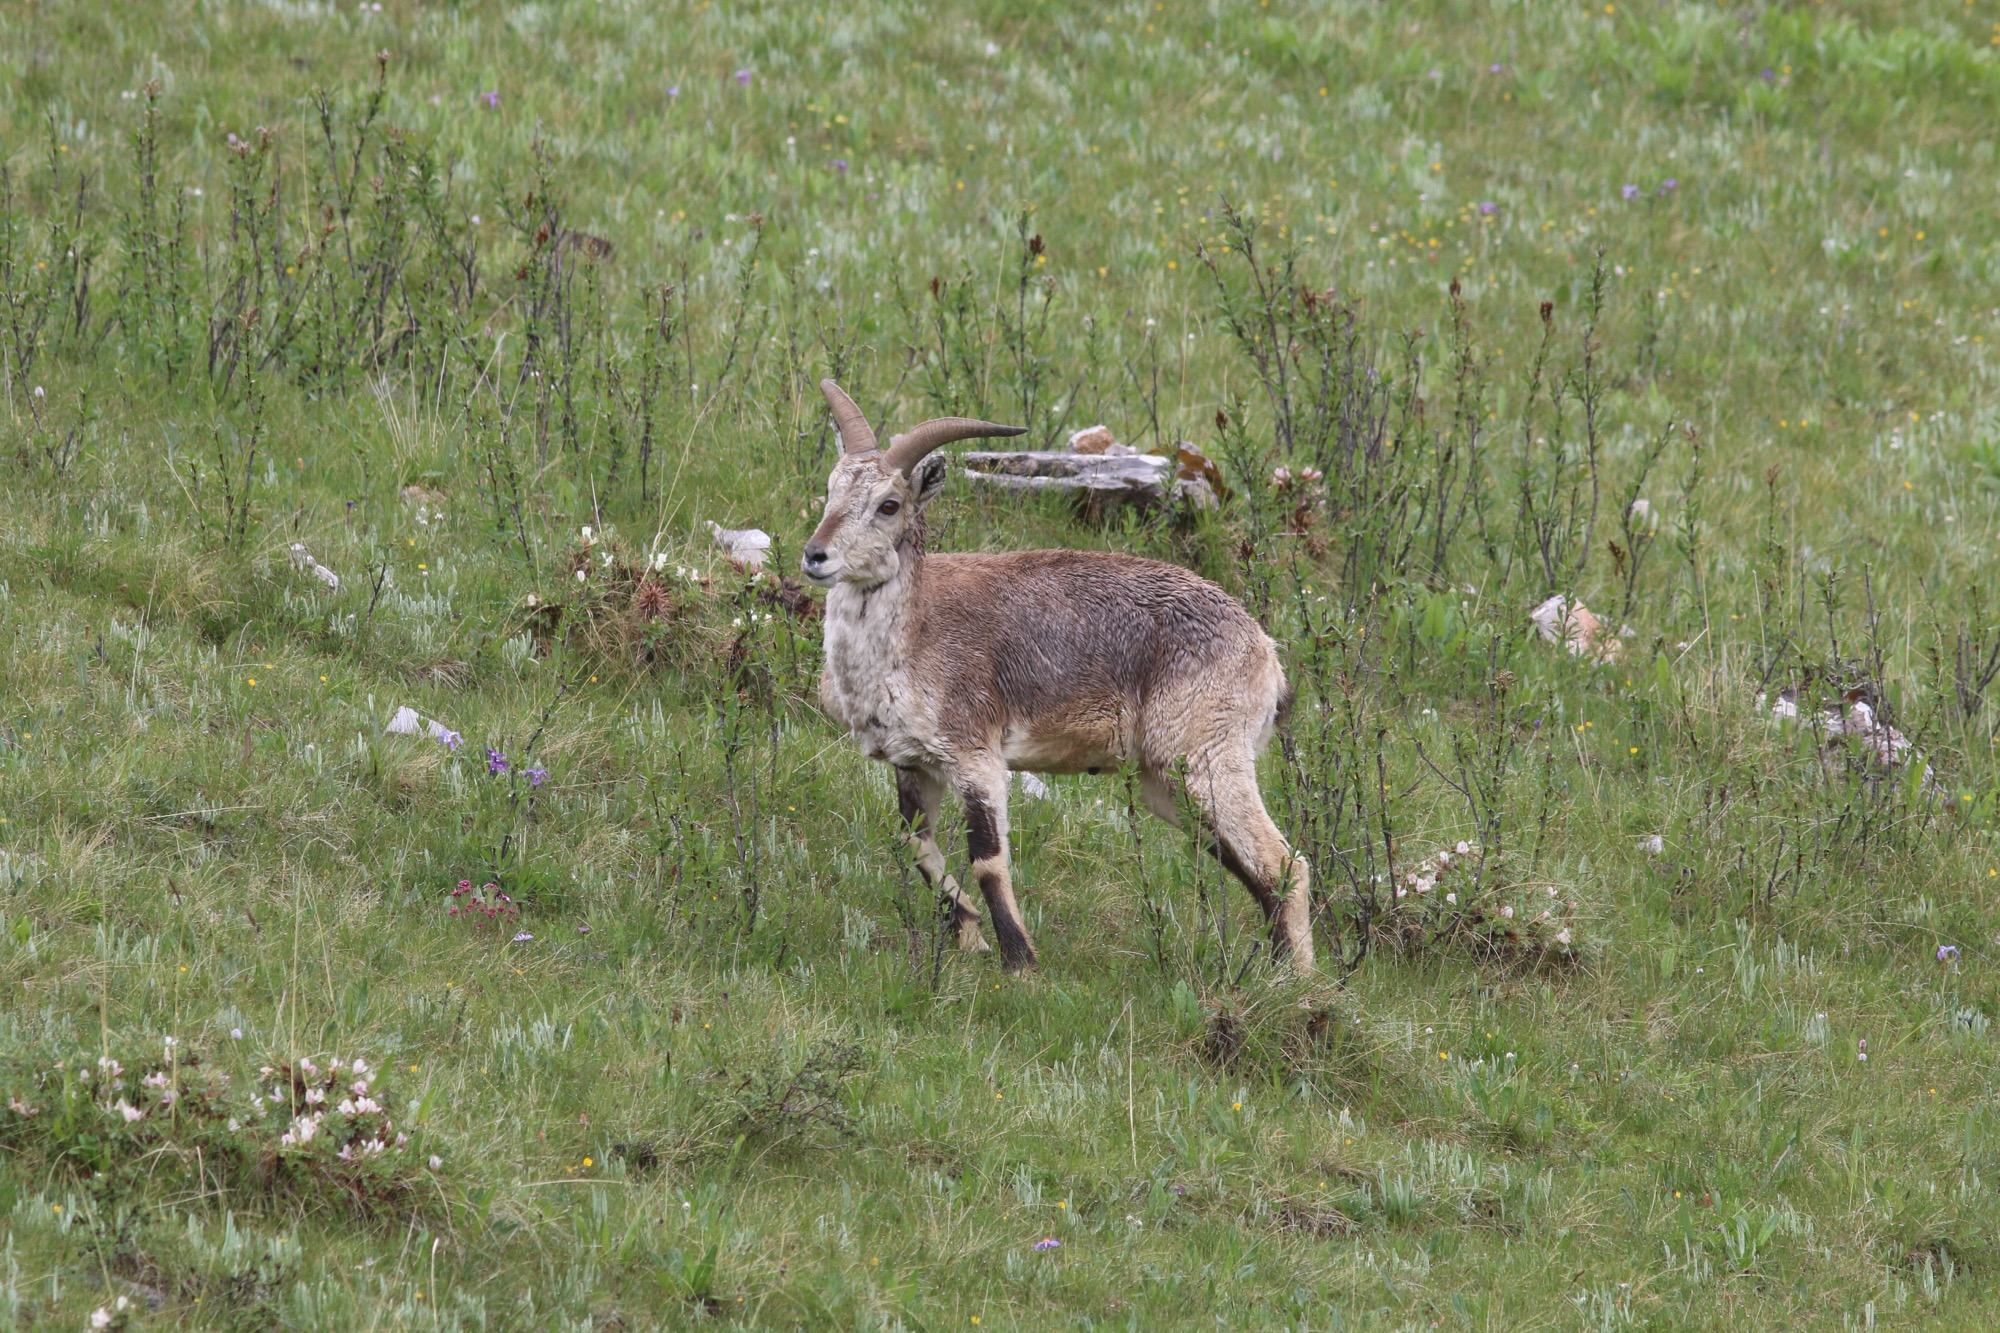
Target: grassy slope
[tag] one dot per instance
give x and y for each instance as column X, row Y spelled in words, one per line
column 192, row 745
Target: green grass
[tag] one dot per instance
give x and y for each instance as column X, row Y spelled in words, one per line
column 728, row 1080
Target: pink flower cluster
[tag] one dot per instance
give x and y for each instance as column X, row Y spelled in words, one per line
column 482, row 906
column 330, row 1107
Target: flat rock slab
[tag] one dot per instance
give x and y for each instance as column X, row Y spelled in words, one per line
column 1098, row 479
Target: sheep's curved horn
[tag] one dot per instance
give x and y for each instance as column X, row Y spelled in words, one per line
column 905, row 451
column 856, row 435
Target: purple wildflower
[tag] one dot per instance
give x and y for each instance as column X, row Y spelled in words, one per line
column 1630, row 192
column 1765, row 75
column 1488, row 208
column 742, row 78
column 1495, row 68
column 492, row 100
column 536, row 776
column 840, row 165
column 1947, row 953
column 673, row 90
column 523, row 937
column 496, row 763
column 451, row 740
column 1669, row 185
column 1048, row 1243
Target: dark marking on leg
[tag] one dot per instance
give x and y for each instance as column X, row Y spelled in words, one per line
column 1263, row 891
column 1015, row 950
column 910, row 799
column 982, row 830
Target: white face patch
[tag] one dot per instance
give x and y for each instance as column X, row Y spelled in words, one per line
column 869, row 509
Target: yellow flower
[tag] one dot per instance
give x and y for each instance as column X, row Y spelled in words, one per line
column 587, row 1162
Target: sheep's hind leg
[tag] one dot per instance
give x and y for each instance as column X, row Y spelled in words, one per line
column 984, row 791
column 1250, row 847
column 918, row 796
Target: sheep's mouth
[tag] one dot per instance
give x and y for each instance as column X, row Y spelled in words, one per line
column 822, row 577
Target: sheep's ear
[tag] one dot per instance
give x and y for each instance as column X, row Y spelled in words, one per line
column 930, row 477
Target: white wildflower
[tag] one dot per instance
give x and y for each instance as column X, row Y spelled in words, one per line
column 130, row 1112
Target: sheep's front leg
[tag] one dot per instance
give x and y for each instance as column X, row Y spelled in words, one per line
column 918, row 795
column 984, row 791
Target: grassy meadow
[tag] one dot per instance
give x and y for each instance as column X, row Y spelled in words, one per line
column 610, row 998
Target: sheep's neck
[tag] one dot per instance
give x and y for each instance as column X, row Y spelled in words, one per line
column 867, row 641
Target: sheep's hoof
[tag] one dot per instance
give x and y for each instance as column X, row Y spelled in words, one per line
column 970, row 940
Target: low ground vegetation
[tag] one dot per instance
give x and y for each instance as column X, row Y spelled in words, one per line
column 388, row 364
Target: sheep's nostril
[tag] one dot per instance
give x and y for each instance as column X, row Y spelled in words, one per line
column 815, row 556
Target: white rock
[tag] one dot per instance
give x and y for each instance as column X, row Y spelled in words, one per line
column 407, row 721
column 1580, row 630
column 747, row 548
column 302, row 559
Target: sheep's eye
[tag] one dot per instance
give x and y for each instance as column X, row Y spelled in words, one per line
column 889, row 506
